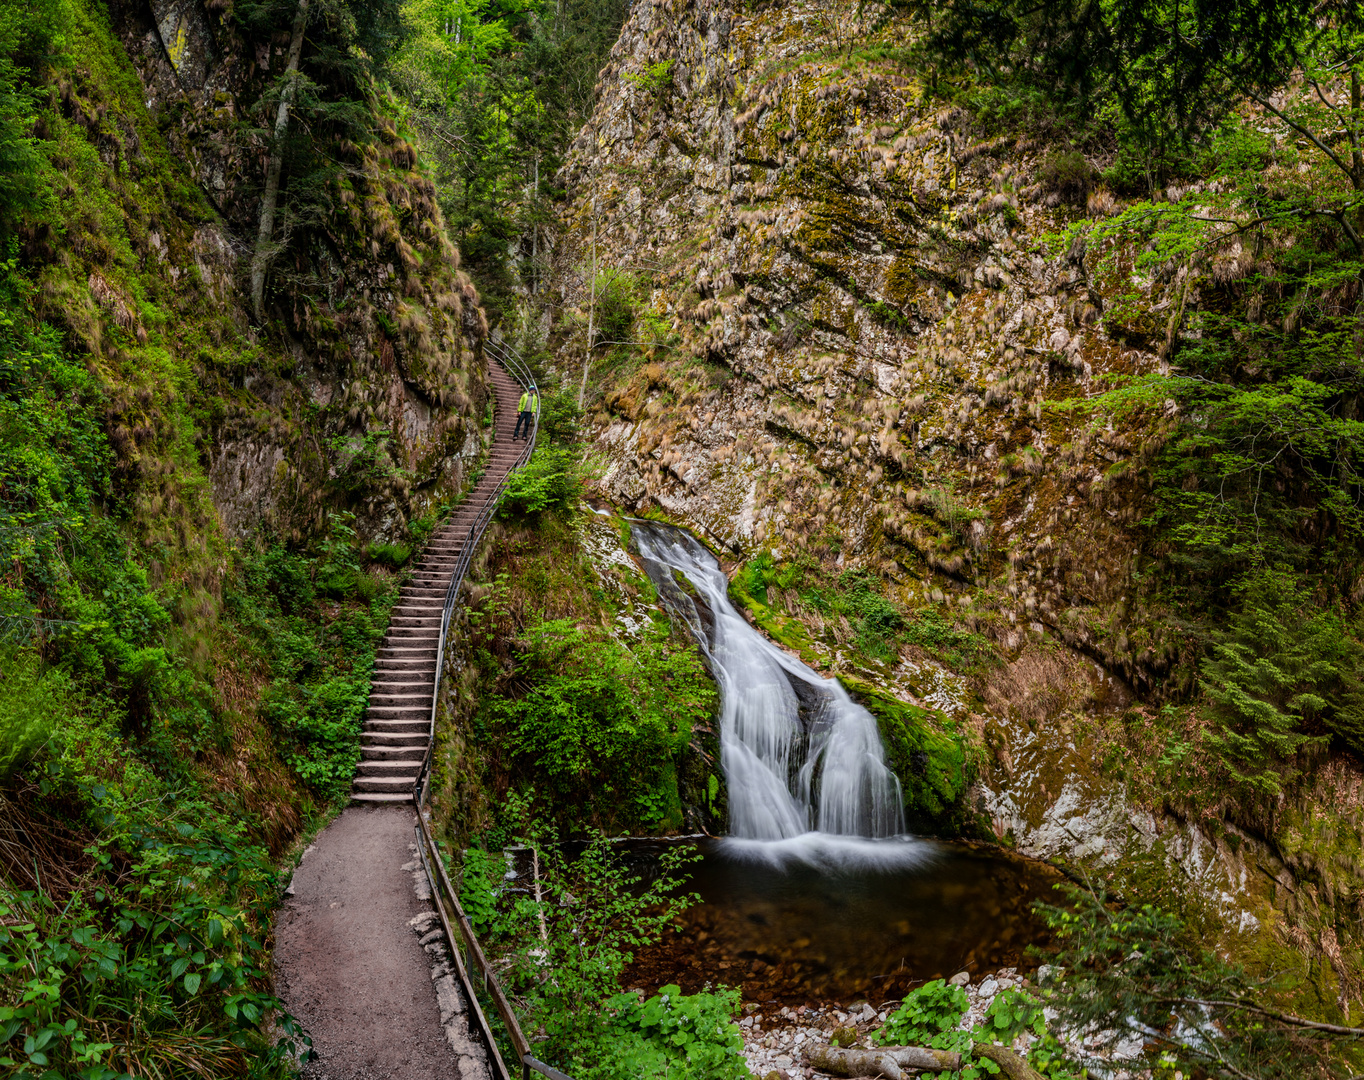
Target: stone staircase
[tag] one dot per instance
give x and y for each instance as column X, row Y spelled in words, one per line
column 398, row 721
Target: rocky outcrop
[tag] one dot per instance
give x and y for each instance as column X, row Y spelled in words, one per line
column 871, row 333
column 362, row 389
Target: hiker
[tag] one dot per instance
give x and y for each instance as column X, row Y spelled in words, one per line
column 530, row 401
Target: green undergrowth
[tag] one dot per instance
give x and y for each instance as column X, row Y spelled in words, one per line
column 175, row 709
column 563, row 937
column 601, row 724
column 313, row 624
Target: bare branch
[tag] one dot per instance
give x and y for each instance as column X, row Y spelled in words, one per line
column 1309, row 136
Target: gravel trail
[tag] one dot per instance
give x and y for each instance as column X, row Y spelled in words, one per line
column 351, row 967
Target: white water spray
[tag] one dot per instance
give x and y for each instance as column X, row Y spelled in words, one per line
column 785, row 777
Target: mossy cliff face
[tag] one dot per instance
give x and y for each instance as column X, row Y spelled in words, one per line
column 361, row 388
column 859, row 321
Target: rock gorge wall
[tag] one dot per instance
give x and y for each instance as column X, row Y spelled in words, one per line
column 864, row 319
column 362, row 389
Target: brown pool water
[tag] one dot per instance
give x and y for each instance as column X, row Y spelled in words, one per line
column 821, row 919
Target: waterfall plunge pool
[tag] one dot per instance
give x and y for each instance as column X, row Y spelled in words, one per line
column 815, row 919
column 817, row 895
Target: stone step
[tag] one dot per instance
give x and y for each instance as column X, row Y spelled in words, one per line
column 418, row 709
column 406, row 633
column 382, row 699
column 402, row 740
column 400, row 690
column 408, row 651
column 380, row 797
column 391, row 785
column 389, row 768
column 391, row 669
column 393, row 753
column 399, row 717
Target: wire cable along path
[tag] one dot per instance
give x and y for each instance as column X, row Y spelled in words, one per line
column 349, row 960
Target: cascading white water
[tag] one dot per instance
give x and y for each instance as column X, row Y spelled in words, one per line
column 785, row 777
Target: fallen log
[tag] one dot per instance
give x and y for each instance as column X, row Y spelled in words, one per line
column 1013, row 1065
column 888, row 1061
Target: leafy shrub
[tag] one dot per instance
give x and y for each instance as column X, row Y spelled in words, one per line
column 1142, row 977
column 560, row 417
column 675, row 1036
column 552, row 480
column 615, row 314
column 1067, row 175
column 481, row 874
column 31, row 702
column 925, row 1014
column 598, row 723
column 1012, row 1012
column 565, row 939
column 655, row 78
column 1281, row 677
column 394, row 555
column 172, row 965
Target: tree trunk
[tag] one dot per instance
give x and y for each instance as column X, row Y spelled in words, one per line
column 591, row 310
column 1011, row 1064
column 887, row 1061
column 275, row 165
column 1352, row 131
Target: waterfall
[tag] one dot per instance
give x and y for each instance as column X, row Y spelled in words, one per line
column 797, row 752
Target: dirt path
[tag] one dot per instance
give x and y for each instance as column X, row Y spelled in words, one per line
column 351, row 966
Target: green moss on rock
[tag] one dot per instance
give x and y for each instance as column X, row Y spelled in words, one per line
column 931, row 762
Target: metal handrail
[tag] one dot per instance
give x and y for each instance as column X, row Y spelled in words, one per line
column 517, row 369
column 442, row 892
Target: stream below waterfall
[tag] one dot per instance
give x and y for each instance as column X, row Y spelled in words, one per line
column 817, row 893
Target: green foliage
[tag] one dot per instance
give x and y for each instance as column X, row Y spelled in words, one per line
column 616, row 300
column 27, row 33
column 1012, row 1012
column 676, row 1035
column 500, row 87
column 1148, row 60
column 560, row 417
column 32, row 702
column 962, row 650
column 598, row 724
column 1279, row 676
column 654, row 79
column 566, row 939
column 320, row 662
column 925, row 1014
column 162, row 963
column 478, row 885
column 1141, row 976
column 551, row 481
column 393, row 555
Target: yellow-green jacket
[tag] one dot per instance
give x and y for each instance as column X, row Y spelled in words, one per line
column 528, row 401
